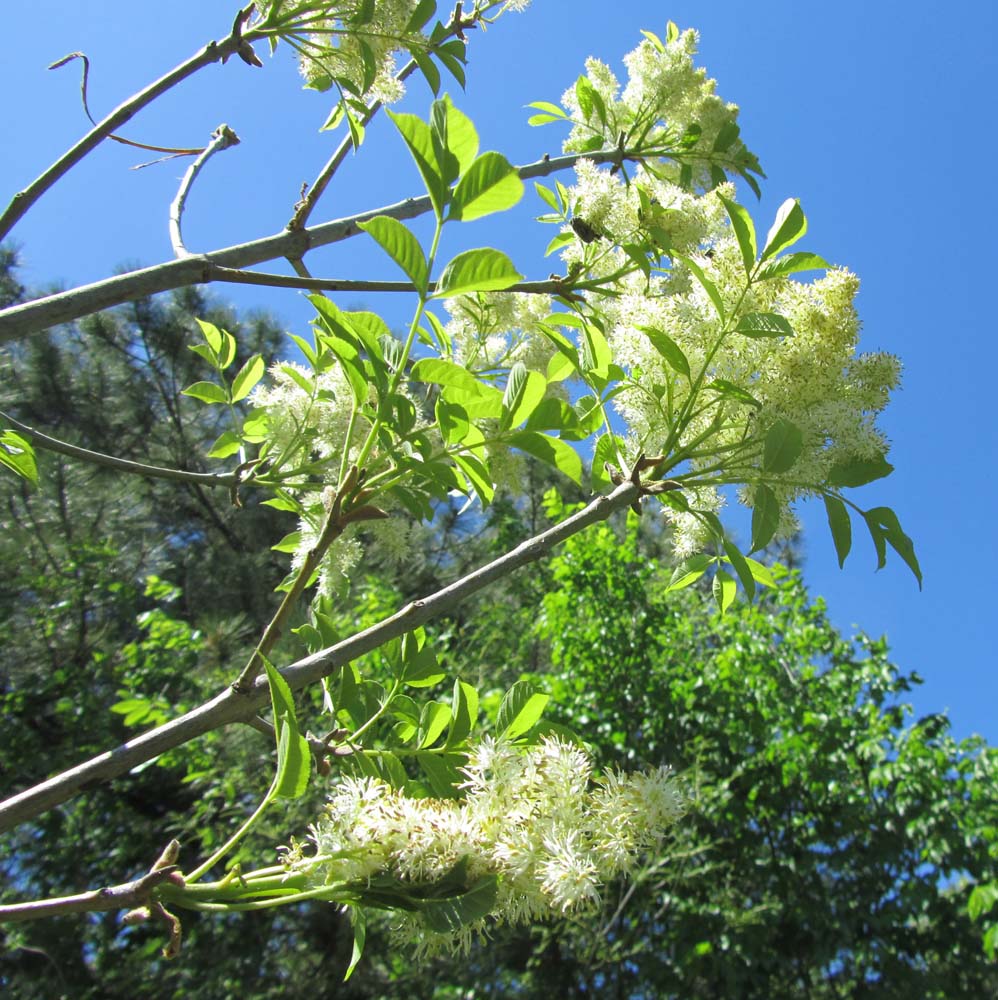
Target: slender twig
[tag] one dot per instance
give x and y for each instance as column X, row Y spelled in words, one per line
column 63, row 307
column 552, row 286
column 172, row 150
column 227, row 479
column 213, row 52
column 232, row 706
column 222, row 138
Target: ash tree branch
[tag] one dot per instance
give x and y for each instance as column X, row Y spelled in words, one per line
column 213, row 52
column 63, row 307
column 222, row 138
column 128, row 895
column 552, row 286
column 227, row 479
column 231, row 705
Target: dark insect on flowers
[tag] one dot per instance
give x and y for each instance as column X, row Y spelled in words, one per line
column 584, row 231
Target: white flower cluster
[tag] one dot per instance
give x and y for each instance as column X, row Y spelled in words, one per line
column 318, row 419
column 664, row 97
column 535, row 818
column 312, row 426
column 346, row 47
column 339, row 47
column 814, row 379
column 491, row 331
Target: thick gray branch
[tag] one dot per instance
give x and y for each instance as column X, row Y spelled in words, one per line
column 63, row 307
column 231, row 706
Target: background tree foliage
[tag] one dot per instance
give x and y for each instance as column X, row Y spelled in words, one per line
column 833, row 840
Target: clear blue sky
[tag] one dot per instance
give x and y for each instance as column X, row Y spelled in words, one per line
column 879, row 116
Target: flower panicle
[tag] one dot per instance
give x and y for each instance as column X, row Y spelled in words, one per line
column 535, row 819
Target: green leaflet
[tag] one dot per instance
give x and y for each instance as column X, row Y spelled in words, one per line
column 401, row 245
column 490, row 185
column 790, row 225
column 839, row 525
column 741, row 223
column 481, row 270
column 521, row 707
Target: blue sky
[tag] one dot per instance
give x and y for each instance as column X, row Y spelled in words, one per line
column 880, row 117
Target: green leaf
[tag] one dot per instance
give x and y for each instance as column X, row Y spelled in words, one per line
column 433, row 721
column 441, row 372
column 783, row 445
column 793, row 263
column 859, row 471
column 741, row 567
column 789, row 227
column 421, row 669
column 479, row 270
column 688, row 572
column 462, row 139
column 885, row 527
column 708, row 286
column 450, row 914
column 425, row 9
column 490, row 185
column 211, row 334
column 524, row 392
column 228, row 352
column 207, row 392
column 726, row 137
column 521, row 707
column 549, row 109
column 759, row 325
column 464, row 711
column 484, row 403
column 247, row 378
column 741, row 223
column 724, row 589
column 419, row 139
column 598, row 356
column 442, row 773
column 226, row 444
column 17, row 454
column 477, row 475
column 765, row 517
column 358, row 921
column 398, row 241
column 668, row 348
column 551, row 450
column 654, row 39
column 293, row 757
column 453, row 421
column 838, row 523
column 731, row 391
column 760, row 573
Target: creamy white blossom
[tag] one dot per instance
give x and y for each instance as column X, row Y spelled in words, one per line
column 535, row 818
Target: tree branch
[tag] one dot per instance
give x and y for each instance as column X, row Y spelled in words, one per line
column 228, row 479
column 128, row 895
column 222, row 138
column 232, row 706
column 213, row 52
column 551, row 286
column 63, row 307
